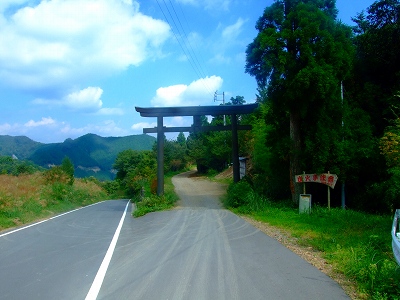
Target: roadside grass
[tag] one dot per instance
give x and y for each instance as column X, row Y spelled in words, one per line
column 27, row 198
column 356, row 244
column 151, row 203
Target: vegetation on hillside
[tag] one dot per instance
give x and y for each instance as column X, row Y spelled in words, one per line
column 136, row 175
column 91, row 154
column 29, row 196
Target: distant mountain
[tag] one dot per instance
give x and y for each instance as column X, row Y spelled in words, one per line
column 20, row 146
column 91, row 154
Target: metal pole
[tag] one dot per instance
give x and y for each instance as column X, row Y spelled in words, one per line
column 160, row 156
column 235, row 150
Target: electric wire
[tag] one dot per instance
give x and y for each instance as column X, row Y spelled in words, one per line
column 196, row 60
column 188, row 26
column 197, row 68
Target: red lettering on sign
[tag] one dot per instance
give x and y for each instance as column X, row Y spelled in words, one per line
column 322, row 178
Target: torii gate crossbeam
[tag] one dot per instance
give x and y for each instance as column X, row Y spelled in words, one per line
column 196, row 112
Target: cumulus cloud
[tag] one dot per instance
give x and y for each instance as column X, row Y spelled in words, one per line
column 55, row 41
column 139, row 126
column 199, row 92
column 168, row 122
column 42, row 122
column 46, row 129
column 87, row 99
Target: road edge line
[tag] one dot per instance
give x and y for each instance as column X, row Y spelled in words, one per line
column 101, row 273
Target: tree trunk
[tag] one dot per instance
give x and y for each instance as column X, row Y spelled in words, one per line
column 295, row 137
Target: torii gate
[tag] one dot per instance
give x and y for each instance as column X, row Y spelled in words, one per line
column 196, row 112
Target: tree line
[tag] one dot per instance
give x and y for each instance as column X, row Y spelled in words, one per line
column 328, row 101
column 328, row 94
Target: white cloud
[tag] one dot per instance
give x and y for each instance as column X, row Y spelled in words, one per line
column 50, row 130
column 199, row 92
column 42, row 122
column 139, row 126
column 231, row 32
column 87, row 99
column 168, row 122
column 57, row 41
column 111, row 111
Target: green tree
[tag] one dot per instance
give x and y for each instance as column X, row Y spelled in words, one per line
column 134, row 168
column 238, row 100
column 377, row 72
column 373, row 88
column 181, row 139
column 68, row 167
column 299, row 57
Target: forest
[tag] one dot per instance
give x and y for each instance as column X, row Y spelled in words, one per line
column 329, row 102
column 328, row 99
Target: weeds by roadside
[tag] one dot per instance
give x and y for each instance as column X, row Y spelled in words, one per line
column 29, row 197
column 356, row 244
column 151, row 203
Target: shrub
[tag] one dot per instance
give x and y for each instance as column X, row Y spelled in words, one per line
column 56, row 174
column 111, row 187
column 153, row 186
column 237, row 194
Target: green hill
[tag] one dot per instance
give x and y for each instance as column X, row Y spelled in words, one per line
column 20, row 146
column 91, row 154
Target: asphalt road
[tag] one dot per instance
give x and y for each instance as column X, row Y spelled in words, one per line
column 197, row 251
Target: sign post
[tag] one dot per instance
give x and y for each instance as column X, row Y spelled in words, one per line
column 305, row 203
column 325, row 178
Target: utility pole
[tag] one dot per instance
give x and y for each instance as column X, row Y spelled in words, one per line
column 223, row 101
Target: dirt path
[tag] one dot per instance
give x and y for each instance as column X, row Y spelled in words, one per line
column 198, row 192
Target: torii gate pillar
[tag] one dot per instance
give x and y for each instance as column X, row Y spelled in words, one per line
column 160, row 156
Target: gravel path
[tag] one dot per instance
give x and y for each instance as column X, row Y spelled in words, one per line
column 199, row 193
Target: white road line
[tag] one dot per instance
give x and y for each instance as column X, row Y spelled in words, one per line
column 101, row 273
column 52, row 218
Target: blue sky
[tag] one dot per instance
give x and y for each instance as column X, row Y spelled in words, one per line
column 72, row 67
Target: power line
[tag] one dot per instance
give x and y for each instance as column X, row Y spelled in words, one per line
column 194, row 62
column 187, row 38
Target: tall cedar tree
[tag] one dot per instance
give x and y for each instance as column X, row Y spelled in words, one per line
column 300, row 56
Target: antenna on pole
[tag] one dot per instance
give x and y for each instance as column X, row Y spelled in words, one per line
column 223, row 101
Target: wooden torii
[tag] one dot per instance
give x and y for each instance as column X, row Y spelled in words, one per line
column 196, row 112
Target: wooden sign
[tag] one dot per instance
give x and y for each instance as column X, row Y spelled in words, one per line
column 326, row 178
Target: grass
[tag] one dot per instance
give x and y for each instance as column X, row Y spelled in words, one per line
column 27, row 198
column 356, row 244
column 152, row 203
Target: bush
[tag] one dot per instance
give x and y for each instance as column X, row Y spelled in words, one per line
column 237, row 194
column 60, row 191
column 56, row 174
column 111, row 187
column 153, row 203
